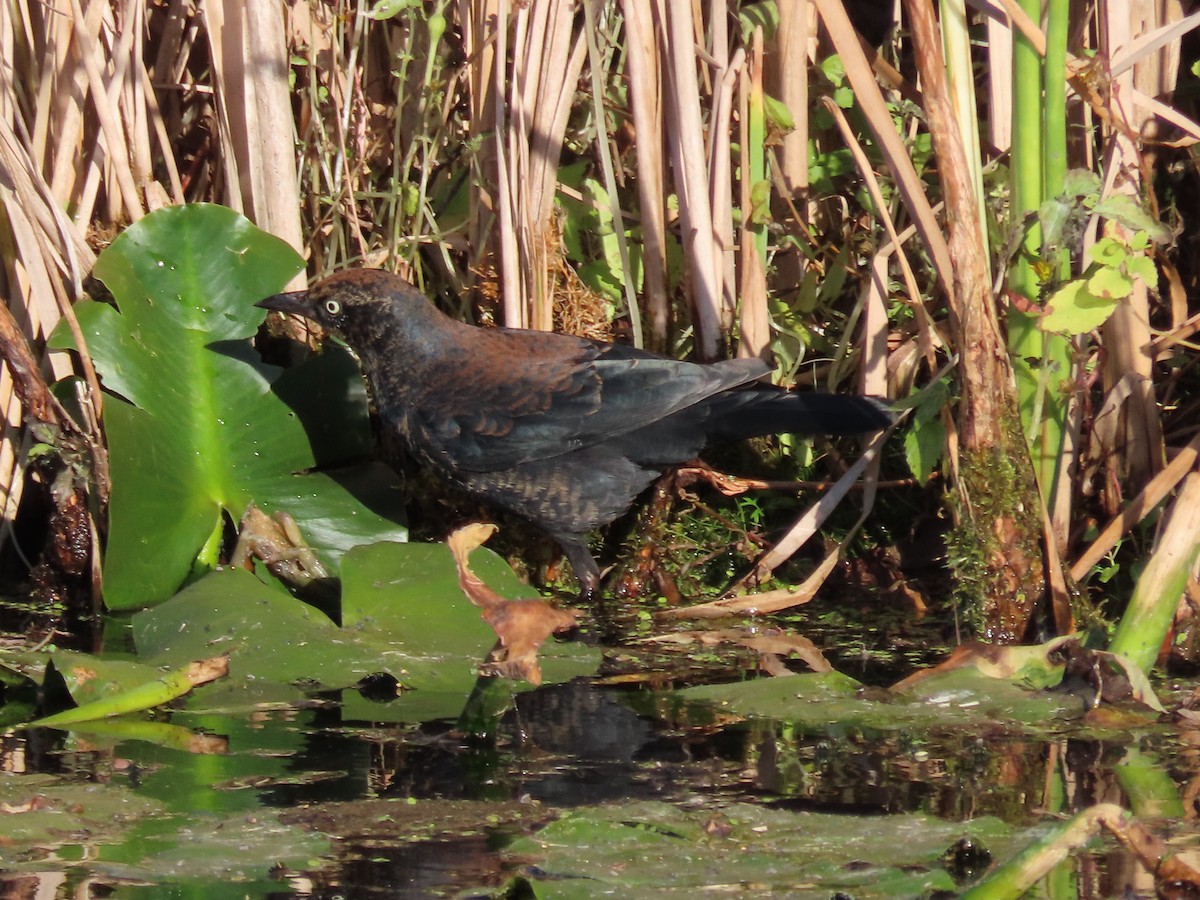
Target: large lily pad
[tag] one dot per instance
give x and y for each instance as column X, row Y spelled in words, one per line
column 411, row 592
column 112, row 833
column 654, row 850
column 269, row 635
column 834, row 703
column 199, row 427
column 403, row 614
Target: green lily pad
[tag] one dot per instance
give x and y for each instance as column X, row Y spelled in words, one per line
column 403, row 614
column 199, row 427
column 66, row 811
column 408, row 595
column 831, row 703
column 411, row 592
column 654, row 849
column 405, row 617
column 108, row 831
column 269, row 635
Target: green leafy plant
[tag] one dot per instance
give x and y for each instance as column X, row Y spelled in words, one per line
column 1085, row 303
column 925, row 440
column 198, row 427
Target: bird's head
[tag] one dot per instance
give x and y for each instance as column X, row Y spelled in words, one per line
column 355, row 304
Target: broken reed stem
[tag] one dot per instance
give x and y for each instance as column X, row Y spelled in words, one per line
column 792, row 38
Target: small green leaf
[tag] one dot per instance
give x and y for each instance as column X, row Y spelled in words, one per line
column 1126, row 210
column 933, row 398
column 1108, row 252
column 1143, row 267
column 1109, row 283
column 437, row 27
column 760, row 202
column 844, row 97
column 1072, row 309
column 1082, row 183
column 764, row 15
column 411, row 198
column 833, row 69
column 1053, row 215
column 778, row 115
column 923, row 447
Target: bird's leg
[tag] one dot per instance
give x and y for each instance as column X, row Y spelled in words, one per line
column 585, row 569
column 588, row 574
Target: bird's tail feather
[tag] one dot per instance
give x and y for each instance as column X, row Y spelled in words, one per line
column 742, row 414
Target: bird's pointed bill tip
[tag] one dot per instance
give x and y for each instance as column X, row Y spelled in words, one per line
column 293, row 302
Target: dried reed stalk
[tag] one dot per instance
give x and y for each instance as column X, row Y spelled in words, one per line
column 251, row 61
column 1127, row 336
column 755, row 324
column 791, row 67
column 646, row 109
column 685, row 130
column 862, row 79
column 532, row 86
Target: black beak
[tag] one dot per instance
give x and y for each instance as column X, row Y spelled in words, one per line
column 296, row 302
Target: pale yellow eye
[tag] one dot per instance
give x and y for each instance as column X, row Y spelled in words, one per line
column 333, row 307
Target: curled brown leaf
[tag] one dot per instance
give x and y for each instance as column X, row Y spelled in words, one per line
column 521, row 626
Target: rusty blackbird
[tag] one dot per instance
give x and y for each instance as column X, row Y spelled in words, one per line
column 561, row 430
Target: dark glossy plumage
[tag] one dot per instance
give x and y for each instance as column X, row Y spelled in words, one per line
column 561, row 430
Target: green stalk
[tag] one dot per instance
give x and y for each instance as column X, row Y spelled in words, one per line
column 144, row 696
column 1056, row 350
column 1147, row 620
column 1151, row 611
column 1055, row 115
column 1038, row 172
column 1151, row 790
column 1014, row 878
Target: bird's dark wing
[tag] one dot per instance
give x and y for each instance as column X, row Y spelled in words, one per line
column 557, row 395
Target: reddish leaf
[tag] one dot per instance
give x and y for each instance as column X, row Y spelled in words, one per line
column 520, row 625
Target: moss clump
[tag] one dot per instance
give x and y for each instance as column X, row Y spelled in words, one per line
column 995, row 547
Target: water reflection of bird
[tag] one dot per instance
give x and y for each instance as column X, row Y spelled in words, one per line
column 561, row 430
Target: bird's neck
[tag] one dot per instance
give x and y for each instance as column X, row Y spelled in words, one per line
column 408, row 351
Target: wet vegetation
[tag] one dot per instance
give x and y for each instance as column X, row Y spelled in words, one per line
column 241, row 657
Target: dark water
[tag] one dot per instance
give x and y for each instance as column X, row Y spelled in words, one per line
column 314, row 771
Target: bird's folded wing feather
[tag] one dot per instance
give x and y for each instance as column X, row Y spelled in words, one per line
column 549, row 404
